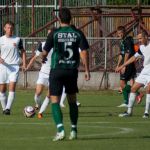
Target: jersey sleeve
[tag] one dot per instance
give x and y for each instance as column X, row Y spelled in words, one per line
column 83, row 45
column 20, row 45
column 39, row 49
column 137, row 54
column 49, row 42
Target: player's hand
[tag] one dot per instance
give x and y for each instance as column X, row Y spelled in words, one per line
column 118, row 69
column 123, row 70
column 26, row 69
column 44, row 60
column 23, row 68
column 1, row 60
column 87, row 75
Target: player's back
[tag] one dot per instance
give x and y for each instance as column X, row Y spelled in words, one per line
column 67, row 41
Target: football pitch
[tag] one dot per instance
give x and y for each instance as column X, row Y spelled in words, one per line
column 99, row 126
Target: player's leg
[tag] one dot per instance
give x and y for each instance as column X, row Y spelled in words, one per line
column 44, row 105
column 3, row 86
column 132, row 97
column 44, row 80
column 73, row 111
column 13, row 73
column 3, row 97
column 37, row 97
column 56, row 87
column 125, row 91
column 63, row 97
column 128, row 75
column 71, row 90
column 147, row 106
column 41, row 82
column 11, row 97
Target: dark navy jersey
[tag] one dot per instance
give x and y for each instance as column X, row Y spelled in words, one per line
column 66, row 42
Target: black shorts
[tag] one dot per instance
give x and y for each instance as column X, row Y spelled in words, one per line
column 130, row 73
column 63, row 77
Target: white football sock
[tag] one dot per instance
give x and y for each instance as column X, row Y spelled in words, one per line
column 147, row 103
column 44, row 105
column 37, row 100
column 11, row 97
column 63, row 97
column 131, row 102
column 3, row 100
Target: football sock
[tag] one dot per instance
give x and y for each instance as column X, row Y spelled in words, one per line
column 57, row 116
column 3, row 99
column 11, row 97
column 37, row 100
column 131, row 102
column 63, row 96
column 147, row 103
column 126, row 91
column 73, row 111
column 44, row 105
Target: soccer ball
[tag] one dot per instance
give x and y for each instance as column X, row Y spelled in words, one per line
column 29, row 111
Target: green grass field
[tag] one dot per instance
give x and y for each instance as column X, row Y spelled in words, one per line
column 99, row 126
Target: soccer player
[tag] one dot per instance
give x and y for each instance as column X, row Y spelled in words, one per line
column 43, row 80
column 144, row 78
column 128, row 72
column 65, row 42
column 10, row 45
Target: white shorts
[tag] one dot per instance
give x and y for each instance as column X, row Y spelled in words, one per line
column 43, row 79
column 144, row 77
column 8, row 73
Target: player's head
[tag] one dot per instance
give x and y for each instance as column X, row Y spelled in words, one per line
column 65, row 15
column 143, row 37
column 121, row 31
column 9, row 28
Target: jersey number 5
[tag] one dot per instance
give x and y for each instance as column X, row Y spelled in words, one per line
column 68, row 50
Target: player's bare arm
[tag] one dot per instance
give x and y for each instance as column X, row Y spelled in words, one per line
column 85, row 59
column 23, row 54
column 31, row 62
column 129, row 61
column 119, row 62
column 125, row 59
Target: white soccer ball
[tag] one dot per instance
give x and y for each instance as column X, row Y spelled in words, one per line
column 29, row 111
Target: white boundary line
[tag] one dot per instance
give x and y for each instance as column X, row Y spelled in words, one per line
column 80, row 123
column 120, row 130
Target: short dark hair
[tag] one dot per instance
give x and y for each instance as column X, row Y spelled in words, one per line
column 143, row 33
column 121, row 28
column 10, row 23
column 65, row 15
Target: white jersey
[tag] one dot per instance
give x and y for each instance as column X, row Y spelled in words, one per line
column 45, row 66
column 145, row 51
column 9, row 49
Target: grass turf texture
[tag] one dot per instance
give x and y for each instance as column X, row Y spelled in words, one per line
column 99, row 126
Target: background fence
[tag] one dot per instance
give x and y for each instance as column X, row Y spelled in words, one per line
column 103, row 56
